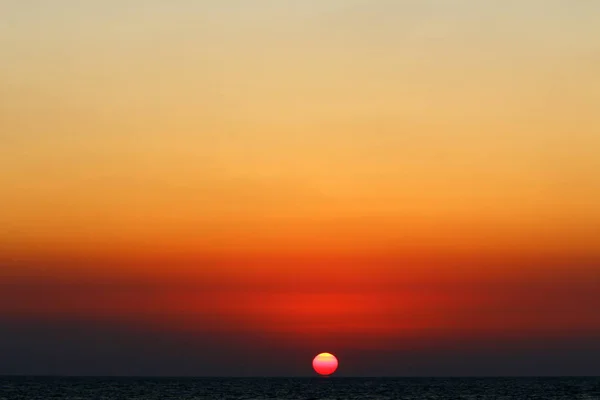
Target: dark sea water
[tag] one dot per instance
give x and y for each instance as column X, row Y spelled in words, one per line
column 44, row 388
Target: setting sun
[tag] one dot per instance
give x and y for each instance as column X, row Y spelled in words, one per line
column 325, row 364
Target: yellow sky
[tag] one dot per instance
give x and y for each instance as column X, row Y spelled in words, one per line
column 197, row 125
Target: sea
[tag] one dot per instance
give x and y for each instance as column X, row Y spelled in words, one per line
column 56, row 388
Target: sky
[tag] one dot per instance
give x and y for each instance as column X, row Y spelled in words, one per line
column 232, row 187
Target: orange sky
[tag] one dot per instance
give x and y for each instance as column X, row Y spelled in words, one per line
column 346, row 168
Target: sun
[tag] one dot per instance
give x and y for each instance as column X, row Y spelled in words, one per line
column 325, row 364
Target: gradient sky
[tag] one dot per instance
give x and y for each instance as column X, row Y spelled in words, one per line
column 232, row 187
